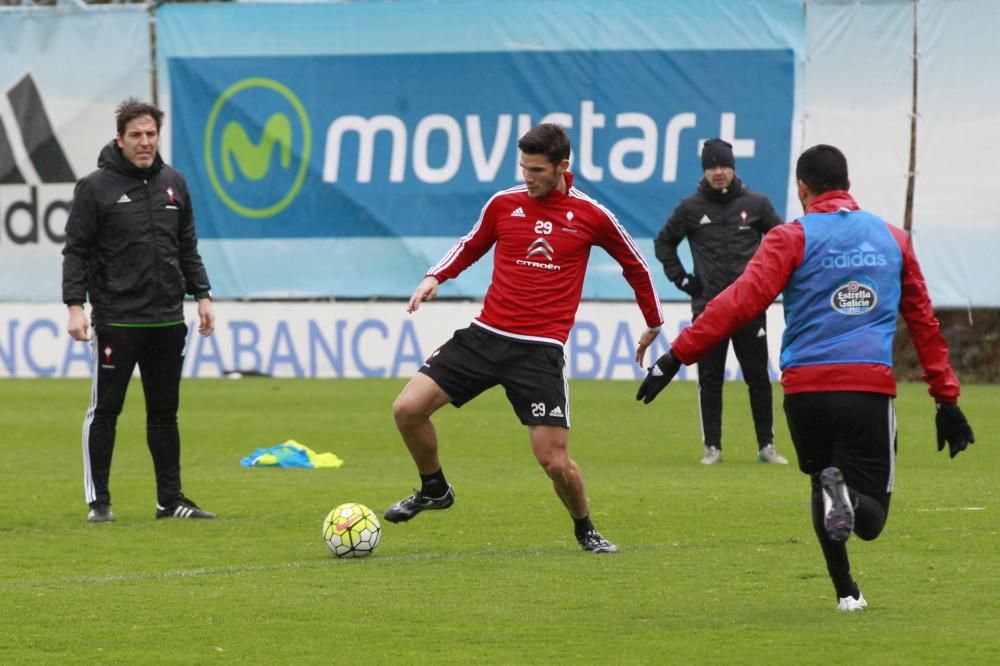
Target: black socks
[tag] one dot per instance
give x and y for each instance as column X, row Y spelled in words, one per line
column 582, row 525
column 433, row 485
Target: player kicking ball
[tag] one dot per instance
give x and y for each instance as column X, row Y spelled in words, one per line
column 541, row 233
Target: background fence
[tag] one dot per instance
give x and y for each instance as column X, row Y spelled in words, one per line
column 335, row 151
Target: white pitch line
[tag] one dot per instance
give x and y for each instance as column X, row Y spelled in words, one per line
column 954, row 508
column 320, row 562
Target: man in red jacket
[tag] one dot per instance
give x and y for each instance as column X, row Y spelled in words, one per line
column 541, row 233
column 845, row 275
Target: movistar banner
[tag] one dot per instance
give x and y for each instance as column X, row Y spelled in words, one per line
column 349, row 175
column 413, row 145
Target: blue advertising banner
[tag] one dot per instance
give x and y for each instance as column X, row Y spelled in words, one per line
column 413, row 145
column 413, row 109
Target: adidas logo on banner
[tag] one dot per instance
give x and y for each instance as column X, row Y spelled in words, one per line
column 556, row 411
column 124, row 199
column 41, row 180
column 519, row 212
column 43, row 149
column 704, row 220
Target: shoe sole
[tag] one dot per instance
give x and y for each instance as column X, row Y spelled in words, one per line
column 190, row 514
column 852, row 606
column 839, row 521
column 186, row 517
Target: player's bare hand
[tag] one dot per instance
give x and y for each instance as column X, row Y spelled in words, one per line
column 425, row 291
column 645, row 340
column 78, row 326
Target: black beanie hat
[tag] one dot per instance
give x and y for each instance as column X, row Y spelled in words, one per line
column 717, row 152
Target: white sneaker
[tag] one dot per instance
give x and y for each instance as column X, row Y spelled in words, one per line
column 712, row 455
column 767, row 454
column 850, row 604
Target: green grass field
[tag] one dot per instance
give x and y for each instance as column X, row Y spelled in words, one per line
column 718, row 564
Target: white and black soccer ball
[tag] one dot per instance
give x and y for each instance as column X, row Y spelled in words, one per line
column 351, row 530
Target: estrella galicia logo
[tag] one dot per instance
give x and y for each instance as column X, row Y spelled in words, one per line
column 854, row 298
column 257, row 143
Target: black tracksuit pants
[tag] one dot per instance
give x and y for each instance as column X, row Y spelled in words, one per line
column 855, row 432
column 750, row 345
column 159, row 353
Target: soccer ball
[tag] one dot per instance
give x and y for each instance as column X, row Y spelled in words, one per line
column 351, row 530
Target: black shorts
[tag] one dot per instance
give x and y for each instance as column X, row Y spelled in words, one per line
column 852, row 430
column 530, row 372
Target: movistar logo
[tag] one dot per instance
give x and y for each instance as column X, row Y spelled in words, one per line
column 253, row 159
column 258, row 136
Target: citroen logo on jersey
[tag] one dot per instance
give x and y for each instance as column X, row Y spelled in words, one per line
column 538, row 252
column 540, row 247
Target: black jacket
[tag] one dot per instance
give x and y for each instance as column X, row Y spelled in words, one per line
column 723, row 229
column 131, row 246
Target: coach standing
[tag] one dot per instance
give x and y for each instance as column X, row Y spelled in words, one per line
column 723, row 223
column 131, row 249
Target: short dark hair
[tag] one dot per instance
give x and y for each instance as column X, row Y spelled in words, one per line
column 822, row 168
column 546, row 139
column 131, row 109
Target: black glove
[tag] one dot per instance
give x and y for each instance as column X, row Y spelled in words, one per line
column 952, row 428
column 690, row 285
column 659, row 375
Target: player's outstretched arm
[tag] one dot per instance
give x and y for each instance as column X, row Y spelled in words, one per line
column 952, row 428
column 425, row 291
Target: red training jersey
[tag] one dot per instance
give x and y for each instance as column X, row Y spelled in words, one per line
column 540, row 261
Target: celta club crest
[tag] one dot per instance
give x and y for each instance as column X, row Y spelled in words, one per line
column 540, row 247
column 107, row 354
column 170, row 196
column 743, row 218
